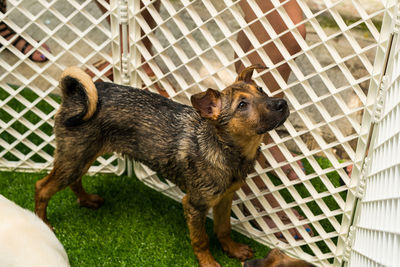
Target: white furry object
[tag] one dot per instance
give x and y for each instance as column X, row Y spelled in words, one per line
column 25, row 240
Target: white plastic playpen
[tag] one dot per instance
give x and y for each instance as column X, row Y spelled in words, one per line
column 344, row 95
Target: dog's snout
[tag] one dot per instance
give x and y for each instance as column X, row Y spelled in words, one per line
column 281, row 105
column 278, row 105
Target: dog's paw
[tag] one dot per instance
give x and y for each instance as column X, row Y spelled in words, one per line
column 91, row 201
column 206, row 259
column 239, row 251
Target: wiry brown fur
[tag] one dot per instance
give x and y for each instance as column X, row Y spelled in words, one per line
column 207, row 150
column 277, row 258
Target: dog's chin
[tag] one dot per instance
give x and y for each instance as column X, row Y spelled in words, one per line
column 270, row 126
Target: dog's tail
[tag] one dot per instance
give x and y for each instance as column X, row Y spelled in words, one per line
column 77, row 86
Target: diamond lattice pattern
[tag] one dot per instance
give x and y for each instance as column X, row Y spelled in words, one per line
column 78, row 34
column 194, row 46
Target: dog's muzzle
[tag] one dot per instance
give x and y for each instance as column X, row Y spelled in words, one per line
column 275, row 114
column 281, row 107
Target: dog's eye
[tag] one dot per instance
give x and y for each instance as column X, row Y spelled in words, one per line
column 259, row 88
column 242, row 105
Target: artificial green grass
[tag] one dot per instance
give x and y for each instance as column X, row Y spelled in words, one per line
column 136, row 226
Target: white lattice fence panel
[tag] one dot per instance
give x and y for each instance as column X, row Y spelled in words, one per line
column 77, row 33
column 375, row 238
column 195, row 46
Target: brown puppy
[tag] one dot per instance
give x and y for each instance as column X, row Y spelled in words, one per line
column 276, row 258
column 207, row 150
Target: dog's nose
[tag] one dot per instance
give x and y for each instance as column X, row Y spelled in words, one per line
column 278, row 105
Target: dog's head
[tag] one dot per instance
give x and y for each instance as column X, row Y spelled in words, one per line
column 242, row 109
column 276, row 258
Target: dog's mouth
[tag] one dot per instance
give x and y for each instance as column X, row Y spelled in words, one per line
column 275, row 124
column 282, row 121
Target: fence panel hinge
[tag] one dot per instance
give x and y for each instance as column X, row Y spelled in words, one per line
column 362, row 181
column 349, row 244
column 396, row 28
column 125, row 56
column 379, row 100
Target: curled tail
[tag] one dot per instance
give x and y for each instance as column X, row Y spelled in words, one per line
column 78, row 90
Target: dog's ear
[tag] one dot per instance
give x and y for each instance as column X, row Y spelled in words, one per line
column 246, row 74
column 207, row 103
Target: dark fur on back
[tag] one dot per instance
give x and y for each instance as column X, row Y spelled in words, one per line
column 171, row 138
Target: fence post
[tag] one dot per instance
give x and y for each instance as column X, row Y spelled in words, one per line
column 131, row 58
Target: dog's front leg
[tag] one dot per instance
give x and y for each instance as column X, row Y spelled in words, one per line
column 222, row 228
column 196, row 219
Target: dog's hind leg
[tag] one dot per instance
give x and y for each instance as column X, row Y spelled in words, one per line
column 85, row 199
column 68, row 170
column 45, row 189
column 222, row 228
column 59, row 178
